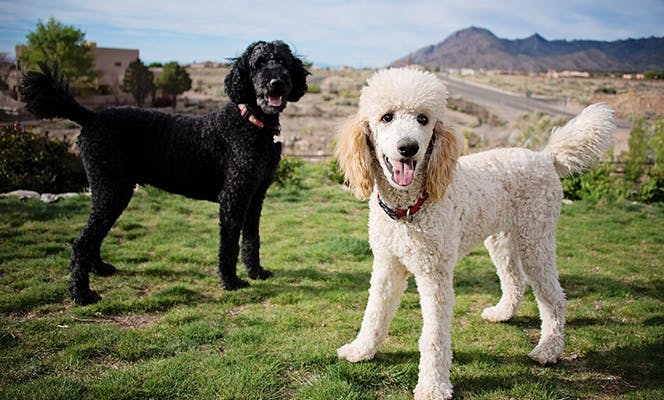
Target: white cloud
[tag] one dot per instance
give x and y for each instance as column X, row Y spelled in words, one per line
column 360, row 33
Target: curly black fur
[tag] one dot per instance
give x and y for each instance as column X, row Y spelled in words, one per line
column 47, row 95
column 221, row 157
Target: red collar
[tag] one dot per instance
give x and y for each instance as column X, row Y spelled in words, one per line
column 247, row 114
column 400, row 213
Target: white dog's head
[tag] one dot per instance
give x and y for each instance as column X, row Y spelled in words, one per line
column 399, row 126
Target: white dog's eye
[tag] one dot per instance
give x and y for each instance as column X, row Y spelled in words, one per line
column 387, row 117
column 422, row 119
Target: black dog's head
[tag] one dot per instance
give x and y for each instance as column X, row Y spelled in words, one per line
column 267, row 75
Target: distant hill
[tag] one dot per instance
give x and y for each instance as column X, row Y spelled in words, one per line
column 478, row 48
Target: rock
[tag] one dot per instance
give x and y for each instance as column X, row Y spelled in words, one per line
column 49, row 197
column 22, row 194
column 45, row 197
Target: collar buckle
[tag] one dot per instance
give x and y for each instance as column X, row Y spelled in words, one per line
column 400, row 213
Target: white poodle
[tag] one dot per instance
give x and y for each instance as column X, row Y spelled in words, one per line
column 429, row 207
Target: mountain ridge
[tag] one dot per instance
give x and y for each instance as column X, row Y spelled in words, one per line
column 479, row 48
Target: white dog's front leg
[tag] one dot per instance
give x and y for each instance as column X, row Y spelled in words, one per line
column 437, row 301
column 388, row 282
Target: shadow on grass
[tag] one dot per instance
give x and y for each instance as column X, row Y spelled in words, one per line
column 165, row 273
column 19, row 212
column 635, row 365
column 532, row 322
column 485, row 281
column 181, row 294
column 605, row 374
column 615, row 371
column 579, row 286
column 500, row 375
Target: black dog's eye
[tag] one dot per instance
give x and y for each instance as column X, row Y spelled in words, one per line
column 422, row 119
column 260, row 61
column 387, row 117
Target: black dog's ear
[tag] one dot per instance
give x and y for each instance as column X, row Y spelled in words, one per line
column 237, row 83
column 299, row 79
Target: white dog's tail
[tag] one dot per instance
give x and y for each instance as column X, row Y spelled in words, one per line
column 582, row 141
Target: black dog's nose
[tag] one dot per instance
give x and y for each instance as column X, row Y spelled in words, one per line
column 407, row 147
column 277, row 84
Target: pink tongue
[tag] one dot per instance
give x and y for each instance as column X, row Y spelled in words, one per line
column 403, row 172
column 275, row 101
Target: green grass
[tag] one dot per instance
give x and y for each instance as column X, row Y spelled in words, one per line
column 166, row 330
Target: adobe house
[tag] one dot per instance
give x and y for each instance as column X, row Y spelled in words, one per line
column 110, row 65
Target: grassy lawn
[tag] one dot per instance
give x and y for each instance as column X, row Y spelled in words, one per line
column 165, row 329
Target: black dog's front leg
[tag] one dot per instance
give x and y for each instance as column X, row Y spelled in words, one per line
column 251, row 237
column 232, row 213
column 229, row 248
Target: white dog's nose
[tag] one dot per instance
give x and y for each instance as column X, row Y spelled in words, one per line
column 407, row 147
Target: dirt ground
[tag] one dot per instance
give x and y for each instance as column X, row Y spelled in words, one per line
column 309, row 126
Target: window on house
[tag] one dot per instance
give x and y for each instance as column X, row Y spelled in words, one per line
column 118, row 63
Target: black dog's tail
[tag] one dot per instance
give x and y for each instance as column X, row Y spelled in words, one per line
column 47, row 95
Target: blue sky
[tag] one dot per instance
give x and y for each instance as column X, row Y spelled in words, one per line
column 364, row 33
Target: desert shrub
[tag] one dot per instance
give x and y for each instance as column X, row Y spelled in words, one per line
column 313, row 88
column 641, row 179
column 36, row 163
column 484, row 116
column 162, row 101
column 333, row 172
column 347, row 101
column 652, row 190
column 534, row 130
column 598, row 183
column 606, row 90
column 289, row 172
column 472, row 140
column 644, row 168
column 639, row 153
column 650, row 74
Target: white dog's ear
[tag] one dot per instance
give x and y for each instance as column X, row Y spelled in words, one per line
column 442, row 160
column 353, row 153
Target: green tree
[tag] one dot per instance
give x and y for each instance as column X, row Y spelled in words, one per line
column 139, row 81
column 64, row 45
column 173, row 81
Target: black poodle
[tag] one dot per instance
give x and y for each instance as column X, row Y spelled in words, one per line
column 229, row 157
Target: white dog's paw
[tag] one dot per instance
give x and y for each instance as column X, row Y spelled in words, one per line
column 355, row 352
column 496, row 314
column 548, row 351
column 433, row 392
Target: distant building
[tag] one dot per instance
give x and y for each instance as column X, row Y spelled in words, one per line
column 110, row 65
column 567, row 74
column 207, row 64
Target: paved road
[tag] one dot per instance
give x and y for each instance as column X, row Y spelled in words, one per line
column 492, row 97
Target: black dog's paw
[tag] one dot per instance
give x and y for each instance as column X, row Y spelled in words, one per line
column 259, row 273
column 85, row 297
column 234, row 283
column 104, row 269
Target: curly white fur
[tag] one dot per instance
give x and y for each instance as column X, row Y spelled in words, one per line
column 508, row 198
